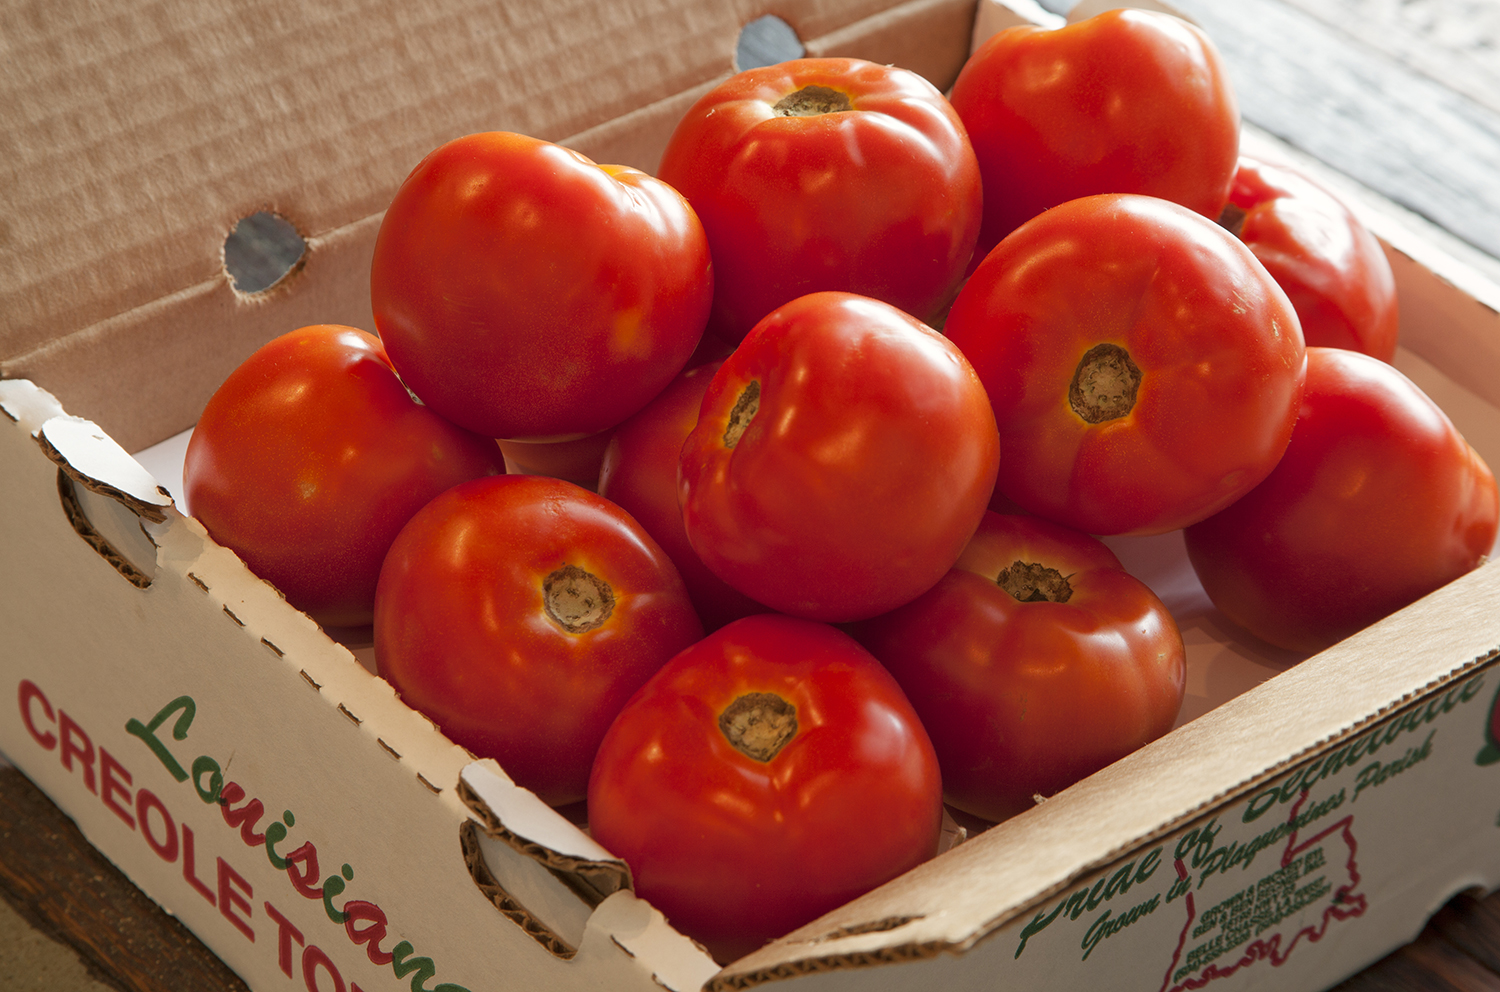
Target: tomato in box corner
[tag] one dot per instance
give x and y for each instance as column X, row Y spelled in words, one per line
column 1377, row 502
column 528, row 293
column 842, row 458
column 310, row 458
column 1126, row 101
column 1036, row 661
column 827, row 174
column 766, row 775
column 1332, row 268
column 519, row 613
column 1143, row 367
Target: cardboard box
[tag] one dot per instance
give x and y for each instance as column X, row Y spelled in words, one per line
column 253, row 777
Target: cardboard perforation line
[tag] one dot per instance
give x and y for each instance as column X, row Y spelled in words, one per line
column 349, row 716
column 484, row 879
column 388, row 749
column 317, row 686
column 273, row 648
column 195, row 580
column 434, row 789
column 230, row 614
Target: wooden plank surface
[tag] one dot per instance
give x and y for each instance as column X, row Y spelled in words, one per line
column 65, row 889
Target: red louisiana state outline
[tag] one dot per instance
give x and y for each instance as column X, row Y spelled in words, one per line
column 1343, row 902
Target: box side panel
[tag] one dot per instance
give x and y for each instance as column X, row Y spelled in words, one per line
column 1294, row 884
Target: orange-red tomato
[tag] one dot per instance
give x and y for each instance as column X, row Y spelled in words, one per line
column 843, row 456
column 519, row 613
column 1127, row 101
column 1037, row 660
column 528, row 293
column 765, row 776
column 1332, row 268
column 827, row 174
column 311, row 457
column 1143, row 367
column 1377, row 501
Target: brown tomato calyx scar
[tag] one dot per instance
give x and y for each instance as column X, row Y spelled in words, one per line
column 759, row 724
column 1105, row 384
column 1032, row 582
column 576, row 600
column 1232, row 218
column 745, row 409
column 810, row 101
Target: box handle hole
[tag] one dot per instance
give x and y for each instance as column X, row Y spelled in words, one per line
column 263, row 249
column 766, row 41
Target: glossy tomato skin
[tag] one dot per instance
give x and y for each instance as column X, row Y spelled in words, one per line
column 1377, row 502
column 1214, row 343
column 882, row 198
column 1331, row 266
column 528, row 293
column 868, row 461
column 734, row 850
column 1024, row 698
column 310, row 458
column 475, row 625
column 1126, row 101
column 639, row 472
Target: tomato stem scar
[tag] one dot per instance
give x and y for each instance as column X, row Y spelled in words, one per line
column 1104, row 385
column 745, row 409
column 810, row 101
column 759, row 724
column 1033, row 582
column 1232, row 219
column 577, row 600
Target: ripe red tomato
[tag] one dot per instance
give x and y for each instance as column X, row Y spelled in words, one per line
column 310, row 458
column 1127, row 101
column 1377, row 502
column 1036, row 661
column 639, row 472
column 525, row 292
column 519, row 613
column 766, row 775
column 827, row 174
column 843, row 456
column 1143, row 367
column 1331, row 266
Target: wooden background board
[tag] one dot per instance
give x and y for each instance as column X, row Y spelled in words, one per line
column 1401, row 95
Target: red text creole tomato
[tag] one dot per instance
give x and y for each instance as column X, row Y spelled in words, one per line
column 1377, row 502
column 519, row 613
column 1127, row 101
column 1331, row 266
column 525, row 292
column 311, row 457
column 843, row 456
column 639, row 472
column 1036, row 661
column 766, row 775
column 1144, row 368
column 827, row 174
